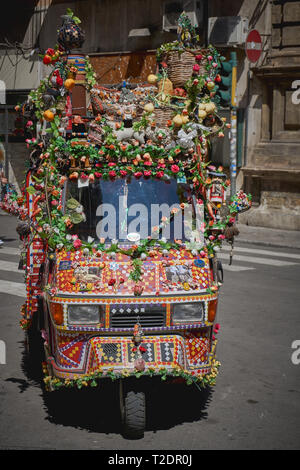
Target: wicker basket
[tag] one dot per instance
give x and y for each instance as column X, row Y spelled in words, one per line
column 180, row 65
column 163, row 115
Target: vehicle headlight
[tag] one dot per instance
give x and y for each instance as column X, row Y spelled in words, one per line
column 85, row 314
column 185, row 313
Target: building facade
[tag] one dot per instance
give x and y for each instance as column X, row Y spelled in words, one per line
column 121, row 38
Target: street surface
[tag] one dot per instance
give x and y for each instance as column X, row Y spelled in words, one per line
column 254, row 405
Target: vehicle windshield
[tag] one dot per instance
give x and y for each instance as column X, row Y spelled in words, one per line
column 131, row 209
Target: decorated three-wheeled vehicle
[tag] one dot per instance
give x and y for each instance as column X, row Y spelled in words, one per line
column 122, row 216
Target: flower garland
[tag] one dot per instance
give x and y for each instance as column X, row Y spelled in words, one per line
column 55, row 383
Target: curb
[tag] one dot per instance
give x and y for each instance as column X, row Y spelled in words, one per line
column 268, row 244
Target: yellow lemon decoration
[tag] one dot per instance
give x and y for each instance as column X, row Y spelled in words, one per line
column 149, row 108
column 152, row 78
column 202, row 114
column 178, row 120
column 210, row 107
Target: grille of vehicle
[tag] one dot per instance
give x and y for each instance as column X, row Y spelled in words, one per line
column 126, row 316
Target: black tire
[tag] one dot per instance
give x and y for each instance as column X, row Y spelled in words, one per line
column 34, row 350
column 133, row 411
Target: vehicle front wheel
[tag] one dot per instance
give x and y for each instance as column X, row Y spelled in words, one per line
column 133, row 410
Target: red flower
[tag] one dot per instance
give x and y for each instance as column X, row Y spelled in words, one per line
column 50, row 51
column 111, row 164
column 159, row 174
column 97, row 174
column 123, row 172
column 111, row 282
column 147, row 173
column 148, row 163
column 196, row 68
column 46, row 59
column 175, row 168
column 112, row 174
column 142, row 349
column 77, row 243
column 138, row 174
column 59, row 81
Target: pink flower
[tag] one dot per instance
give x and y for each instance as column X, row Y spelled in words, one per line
column 159, row 174
column 54, row 202
column 232, row 220
column 175, row 168
column 97, row 174
column 199, row 57
column 209, row 57
column 211, row 237
column 148, row 163
column 77, row 243
column 29, row 123
column 202, row 254
column 84, row 176
column 138, row 174
column 111, row 164
column 147, row 173
column 221, row 237
column 123, row 172
column 214, row 64
column 196, row 68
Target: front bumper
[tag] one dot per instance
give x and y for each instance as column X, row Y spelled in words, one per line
column 193, row 352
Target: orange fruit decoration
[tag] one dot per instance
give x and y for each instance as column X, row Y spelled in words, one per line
column 69, row 83
column 48, row 115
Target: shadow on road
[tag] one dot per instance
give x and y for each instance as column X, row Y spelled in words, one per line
column 97, row 410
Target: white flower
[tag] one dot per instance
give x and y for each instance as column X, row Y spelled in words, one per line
column 69, row 237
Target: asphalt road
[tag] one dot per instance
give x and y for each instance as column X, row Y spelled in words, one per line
column 254, row 405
